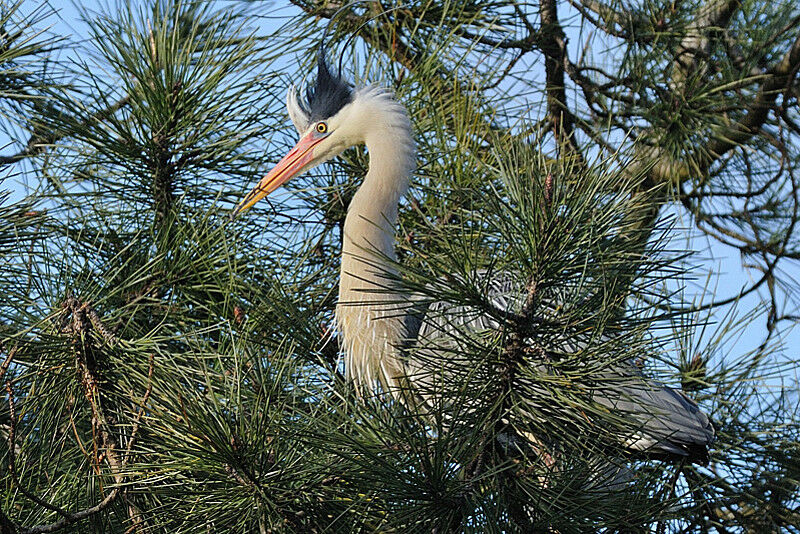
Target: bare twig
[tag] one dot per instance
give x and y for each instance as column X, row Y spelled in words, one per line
column 75, row 517
column 615, row 22
column 142, row 404
column 672, row 484
column 7, row 363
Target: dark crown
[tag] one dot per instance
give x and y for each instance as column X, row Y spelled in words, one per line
column 328, row 94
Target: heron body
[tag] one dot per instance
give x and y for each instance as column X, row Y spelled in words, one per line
column 335, row 117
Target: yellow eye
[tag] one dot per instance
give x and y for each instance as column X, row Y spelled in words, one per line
column 322, row 127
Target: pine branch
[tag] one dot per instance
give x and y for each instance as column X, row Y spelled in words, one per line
column 775, row 82
column 11, row 457
column 42, row 139
column 78, row 317
column 67, row 518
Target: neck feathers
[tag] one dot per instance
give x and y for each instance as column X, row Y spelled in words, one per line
column 391, row 155
column 369, row 313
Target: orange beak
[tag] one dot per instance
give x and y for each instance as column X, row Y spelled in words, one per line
column 291, row 164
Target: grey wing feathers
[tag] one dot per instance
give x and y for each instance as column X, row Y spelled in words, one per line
column 662, row 421
column 442, row 318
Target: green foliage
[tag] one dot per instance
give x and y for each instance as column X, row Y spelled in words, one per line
column 171, row 370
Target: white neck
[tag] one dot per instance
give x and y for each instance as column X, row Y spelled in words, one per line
column 369, row 315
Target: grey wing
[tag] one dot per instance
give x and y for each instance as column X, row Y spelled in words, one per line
column 661, row 421
column 444, row 319
column 664, row 421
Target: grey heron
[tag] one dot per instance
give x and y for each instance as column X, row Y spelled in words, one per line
column 334, row 117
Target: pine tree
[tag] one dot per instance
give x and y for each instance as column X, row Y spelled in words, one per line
column 168, row 369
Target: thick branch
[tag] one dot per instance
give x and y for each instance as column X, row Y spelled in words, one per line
column 659, row 166
column 695, row 48
column 553, row 42
column 778, row 79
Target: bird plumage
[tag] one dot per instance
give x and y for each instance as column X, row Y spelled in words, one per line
column 376, row 322
column 658, row 421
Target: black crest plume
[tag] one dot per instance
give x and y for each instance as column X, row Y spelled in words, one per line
column 329, row 93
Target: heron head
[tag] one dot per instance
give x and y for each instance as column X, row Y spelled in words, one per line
column 326, row 127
